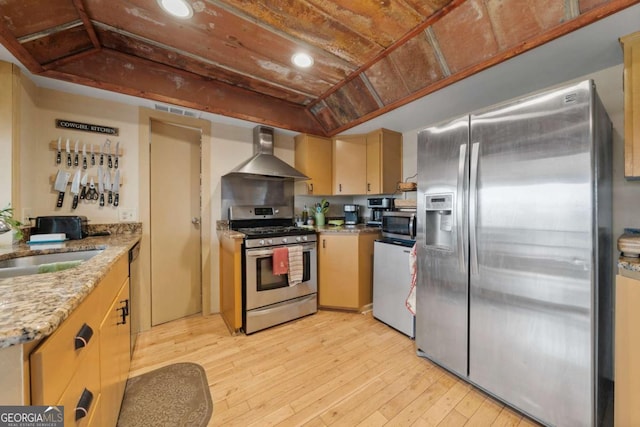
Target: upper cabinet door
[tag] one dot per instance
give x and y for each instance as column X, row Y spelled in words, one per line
column 350, row 165
column 384, row 161
column 363, row 164
column 313, row 158
column 631, row 48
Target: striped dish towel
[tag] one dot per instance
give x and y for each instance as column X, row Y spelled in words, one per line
column 295, row 265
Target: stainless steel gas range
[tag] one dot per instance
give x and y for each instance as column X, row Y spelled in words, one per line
column 269, row 299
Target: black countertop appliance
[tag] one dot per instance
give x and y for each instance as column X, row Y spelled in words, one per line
column 75, row 227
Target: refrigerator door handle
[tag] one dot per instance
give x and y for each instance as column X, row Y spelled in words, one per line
column 473, row 209
column 462, row 160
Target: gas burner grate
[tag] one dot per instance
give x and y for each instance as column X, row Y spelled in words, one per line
column 274, row 231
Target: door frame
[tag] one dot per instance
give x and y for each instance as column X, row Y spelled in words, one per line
column 145, row 115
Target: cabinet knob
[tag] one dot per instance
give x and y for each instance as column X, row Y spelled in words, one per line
column 82, row 409
column 340, row 188
column 83, row 336
column 310, row 187
column 368, row 186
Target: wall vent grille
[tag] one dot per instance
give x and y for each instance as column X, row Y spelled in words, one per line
column 176, row 110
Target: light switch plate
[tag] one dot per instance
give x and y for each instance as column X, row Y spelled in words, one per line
column 27, row 214
column 127, row 214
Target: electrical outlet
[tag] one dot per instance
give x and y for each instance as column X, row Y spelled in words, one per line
column 27, row 214
column 127, row 214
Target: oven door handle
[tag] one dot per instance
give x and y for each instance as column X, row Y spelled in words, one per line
column 268, row 252
column 292, row 304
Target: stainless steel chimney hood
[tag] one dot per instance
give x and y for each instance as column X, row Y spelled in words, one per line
column 263, row 162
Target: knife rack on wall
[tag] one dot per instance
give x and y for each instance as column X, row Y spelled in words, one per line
column 52, row 179
column 78, row 159
column 53, row 145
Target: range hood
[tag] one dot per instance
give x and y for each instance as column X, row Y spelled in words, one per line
column 263, row 162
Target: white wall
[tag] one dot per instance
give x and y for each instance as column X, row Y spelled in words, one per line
column 38, row 160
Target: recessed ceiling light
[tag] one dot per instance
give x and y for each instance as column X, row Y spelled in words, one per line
column 177, row 8
column 302, row 59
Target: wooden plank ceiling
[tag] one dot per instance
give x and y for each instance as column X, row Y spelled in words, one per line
column 233, row 57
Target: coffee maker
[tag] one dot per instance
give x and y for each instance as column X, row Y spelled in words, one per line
column 351, row 214
column 378, row 205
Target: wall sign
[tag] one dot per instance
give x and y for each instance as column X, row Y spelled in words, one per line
column 86, row 127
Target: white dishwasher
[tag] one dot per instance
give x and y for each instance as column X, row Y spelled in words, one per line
column 392, row 283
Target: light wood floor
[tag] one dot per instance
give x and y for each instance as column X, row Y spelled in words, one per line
column 331, row 368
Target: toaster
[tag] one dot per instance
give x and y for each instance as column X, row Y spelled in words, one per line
column 75, row 227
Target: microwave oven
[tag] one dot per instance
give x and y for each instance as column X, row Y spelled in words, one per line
column 399, row 225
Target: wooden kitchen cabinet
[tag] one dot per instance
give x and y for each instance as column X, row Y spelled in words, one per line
column 345, row 270
column 115, row 341
column 55, row 361
column 627, row 352
column 350, row 164
column 384, row 161
column 60, row 373
column 367, row 164
column 313, row 158
column 231, row 281
column 631, row 78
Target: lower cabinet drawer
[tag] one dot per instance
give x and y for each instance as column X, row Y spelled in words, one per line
column 81, row 399
column 54, row 362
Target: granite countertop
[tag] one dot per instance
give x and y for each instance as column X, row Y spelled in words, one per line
column 33, row 306
column 347, row 229
column 230, row 234
column 630, row 264
column 629, row 242
column 224, row 231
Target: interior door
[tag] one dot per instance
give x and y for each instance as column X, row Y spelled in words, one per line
column 175, row 215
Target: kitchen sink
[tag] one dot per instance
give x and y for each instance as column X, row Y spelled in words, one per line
column 46, row 263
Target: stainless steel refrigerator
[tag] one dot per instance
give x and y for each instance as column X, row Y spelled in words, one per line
column 514, row 252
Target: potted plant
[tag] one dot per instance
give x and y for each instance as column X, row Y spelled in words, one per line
column 8, row 223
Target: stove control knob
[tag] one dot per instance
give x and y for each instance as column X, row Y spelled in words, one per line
column 261, row 242
column 284, row 240
column 298, row 239
column 304, row 238
column 270, row 241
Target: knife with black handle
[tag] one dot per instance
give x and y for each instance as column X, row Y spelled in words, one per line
column 76, row 154
column 109, row 158
column 69, row 162
column 59, row 154
column 83, row 184
column 75, row 189
column 60, row 185
column 100, row 187
column 116, row 188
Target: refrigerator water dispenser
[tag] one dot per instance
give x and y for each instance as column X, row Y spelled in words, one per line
column 439, row 221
